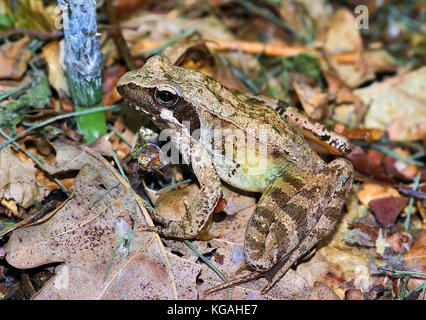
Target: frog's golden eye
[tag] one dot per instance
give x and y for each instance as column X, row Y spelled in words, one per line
column 166, row 96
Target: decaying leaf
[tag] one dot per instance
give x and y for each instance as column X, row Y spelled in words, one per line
column 94, row 234
column 53, row 53
column 14, row 58
column 18, row 180
column 343, row 36
column 397, row 105
column 372, row 191
column 314, row 101
column 388, row 208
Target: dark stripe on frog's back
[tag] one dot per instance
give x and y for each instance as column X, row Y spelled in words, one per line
column 256, row 113
column 274, row 199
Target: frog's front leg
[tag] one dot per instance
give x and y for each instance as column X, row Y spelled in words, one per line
column 202, row 206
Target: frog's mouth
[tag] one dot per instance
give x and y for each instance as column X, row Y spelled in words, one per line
column 139, row 99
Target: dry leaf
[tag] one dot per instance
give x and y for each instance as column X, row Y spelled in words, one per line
column 53, row 53
column 14, row 58
column 379, row 61
column 362, row 164
column 18, row 180
column 397, row 105
column 388, row 208
column 415, row 260
column 314, row 101
column 88, row 234
column 110, row 76
column 372, row 191
column 342, row 35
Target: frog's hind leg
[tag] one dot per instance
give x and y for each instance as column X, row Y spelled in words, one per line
column 340, row 176
column 259, row 253
column 279, row 233
column 289, row 221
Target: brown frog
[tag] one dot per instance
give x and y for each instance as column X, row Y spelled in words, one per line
column 253, row 143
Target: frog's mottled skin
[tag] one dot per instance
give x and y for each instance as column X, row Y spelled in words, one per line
column 302, row 195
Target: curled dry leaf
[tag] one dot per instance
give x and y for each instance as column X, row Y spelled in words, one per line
column 364, row 164
column 18, row 180
column 314, row 101
column 53, row 53
column 14, row 58
column 110, row 77
column 341, row 36
column 407, row 170
column 397, row 105
column 88, row 234
column 415, row 260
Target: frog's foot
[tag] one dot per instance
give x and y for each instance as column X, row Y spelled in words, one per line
column 170, row 229
column 235, row 281
column 272, row 276
column 147, row 228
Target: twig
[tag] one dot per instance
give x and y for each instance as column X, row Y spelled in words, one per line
column 118, row 38
column 413, row 193
column 276, row 49
column 209, row 264
column 35, row 159
column 54, row 119
column 32, row 33
column 410, row 203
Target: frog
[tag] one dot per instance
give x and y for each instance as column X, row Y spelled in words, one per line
column 302, row 196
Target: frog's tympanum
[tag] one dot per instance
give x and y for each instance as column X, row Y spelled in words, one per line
column 253, row 143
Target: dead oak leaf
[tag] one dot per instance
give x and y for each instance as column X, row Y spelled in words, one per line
column 228, row 258
column 88, row 235
column 18, row 180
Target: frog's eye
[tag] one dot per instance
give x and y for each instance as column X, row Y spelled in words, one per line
column 166, row 96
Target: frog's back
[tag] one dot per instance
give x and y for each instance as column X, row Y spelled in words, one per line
column 251, row 144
